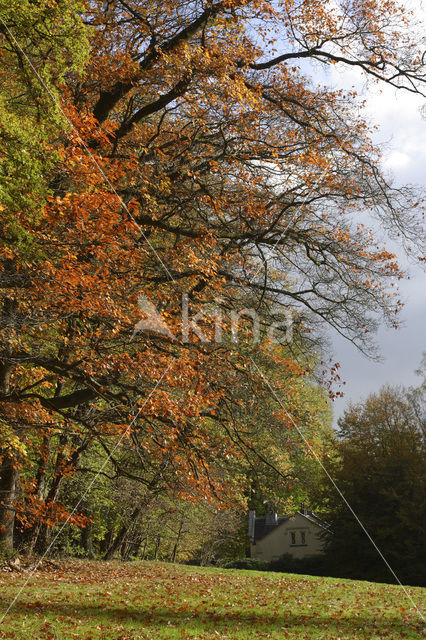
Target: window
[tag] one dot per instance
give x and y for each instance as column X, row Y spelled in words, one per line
column 296, row 541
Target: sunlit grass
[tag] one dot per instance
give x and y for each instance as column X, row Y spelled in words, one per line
column 153, row 600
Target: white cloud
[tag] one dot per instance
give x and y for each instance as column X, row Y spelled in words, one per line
column 402, row 132
column 396, row 160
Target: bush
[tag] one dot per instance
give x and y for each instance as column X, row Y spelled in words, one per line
column 311, row 565
column 253, row 564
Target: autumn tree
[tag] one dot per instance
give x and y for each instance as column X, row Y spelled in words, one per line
column 39, row 43
column 201, row 160
column 262, row 456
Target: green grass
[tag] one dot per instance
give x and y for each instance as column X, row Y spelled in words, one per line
column 144, row 600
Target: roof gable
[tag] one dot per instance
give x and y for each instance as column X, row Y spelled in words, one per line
column 262, row 528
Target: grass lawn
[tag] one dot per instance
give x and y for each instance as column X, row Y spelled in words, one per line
column 147, row 600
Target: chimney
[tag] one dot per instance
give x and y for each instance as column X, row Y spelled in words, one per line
column 302, row 509
column 271, row 519
column 252, row 518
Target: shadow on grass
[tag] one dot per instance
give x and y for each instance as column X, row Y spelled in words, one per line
column 211, row 617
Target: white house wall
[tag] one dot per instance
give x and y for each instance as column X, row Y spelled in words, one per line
column 279, row 540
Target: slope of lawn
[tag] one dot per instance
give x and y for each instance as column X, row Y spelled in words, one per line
column 147, row 601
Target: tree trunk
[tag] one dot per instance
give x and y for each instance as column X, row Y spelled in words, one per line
column 30, row 535
column 32, row 538
column 106, row 542
column 124, row 551
column 45, row 531
column 136, row 547
column 121, row 535
column 9, row 490
column 130, row 547
column 87, row 540
column 9, row 468
column 178, row 536
column 157, row 547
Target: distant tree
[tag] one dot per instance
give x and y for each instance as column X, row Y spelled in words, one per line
column 381, row 470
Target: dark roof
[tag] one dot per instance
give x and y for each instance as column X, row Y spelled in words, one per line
column 311, row 516
column 263, row 524
column 261, row 529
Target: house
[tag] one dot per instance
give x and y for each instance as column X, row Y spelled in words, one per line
column 272, row 536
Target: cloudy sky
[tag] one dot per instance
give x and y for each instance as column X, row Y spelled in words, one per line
column 403, row 132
